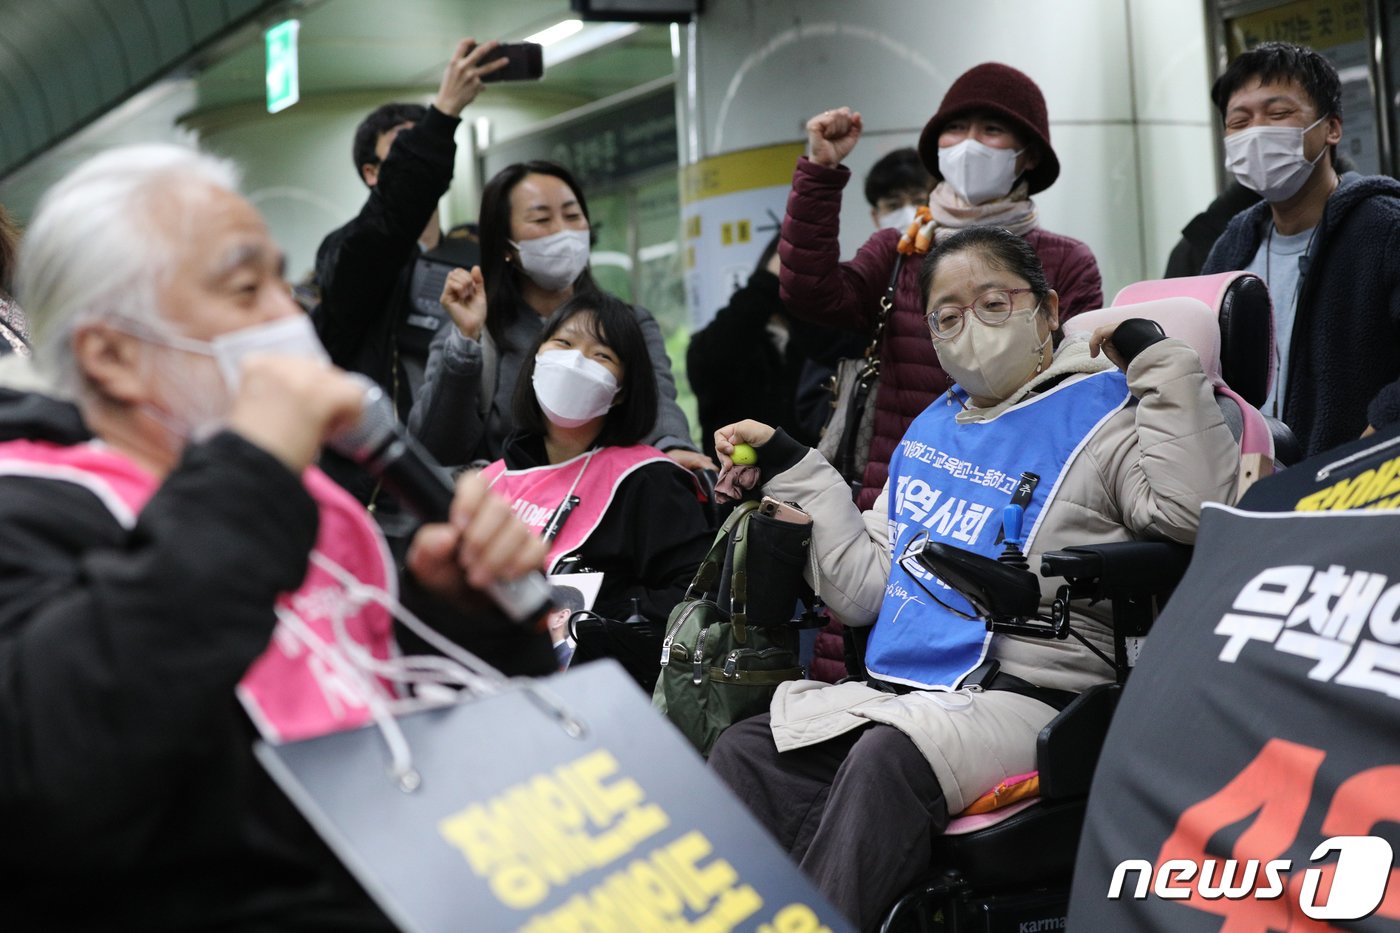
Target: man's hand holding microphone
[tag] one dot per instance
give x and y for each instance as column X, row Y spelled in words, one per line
column 291, row 406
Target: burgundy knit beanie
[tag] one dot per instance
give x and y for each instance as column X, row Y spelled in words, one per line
column 1011, row 95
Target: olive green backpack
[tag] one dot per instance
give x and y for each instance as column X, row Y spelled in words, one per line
column 717, row 667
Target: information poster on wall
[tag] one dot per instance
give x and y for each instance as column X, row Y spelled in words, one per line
column 1337, row 29
column 732, row 206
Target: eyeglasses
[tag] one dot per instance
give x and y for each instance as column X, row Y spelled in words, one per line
column 992, row 308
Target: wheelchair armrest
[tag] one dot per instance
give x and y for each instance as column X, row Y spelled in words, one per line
column 996, row 591
column 1121, row 567
column 1067, row 749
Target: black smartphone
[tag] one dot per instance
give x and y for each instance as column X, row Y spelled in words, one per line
column 526, row 62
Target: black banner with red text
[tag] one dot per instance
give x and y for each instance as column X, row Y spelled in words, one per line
column 1251, row 777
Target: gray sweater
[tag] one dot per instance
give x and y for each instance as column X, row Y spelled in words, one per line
column 463, row 413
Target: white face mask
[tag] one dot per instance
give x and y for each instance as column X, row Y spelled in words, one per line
column 196, row 405
column 553, row 262
column 1270, row 160
column 978, row 172
column 992, row 361
column 572, row 390
column 899, row 219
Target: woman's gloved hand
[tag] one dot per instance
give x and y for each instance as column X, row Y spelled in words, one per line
column 750, row 432
column 735, row 445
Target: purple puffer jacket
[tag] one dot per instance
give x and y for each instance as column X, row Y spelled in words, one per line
column 818, row 287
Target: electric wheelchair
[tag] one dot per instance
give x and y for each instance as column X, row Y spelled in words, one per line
column 1009, row 870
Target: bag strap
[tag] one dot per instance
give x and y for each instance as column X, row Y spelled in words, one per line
column 855, row 410
column 705, row 584
column 865, row 381
column 872, row 352
column 739, row 581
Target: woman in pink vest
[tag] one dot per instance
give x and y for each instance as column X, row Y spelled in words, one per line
column 577, row 471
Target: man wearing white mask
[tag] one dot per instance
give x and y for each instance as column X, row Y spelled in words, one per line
column 169, row 585
column 896, row 186
column 1324, row 243
column 989, row 147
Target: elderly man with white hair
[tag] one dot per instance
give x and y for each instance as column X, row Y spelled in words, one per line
column 172, row 567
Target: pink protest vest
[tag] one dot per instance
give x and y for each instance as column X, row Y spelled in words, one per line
column 535, row 493
column 295, row 689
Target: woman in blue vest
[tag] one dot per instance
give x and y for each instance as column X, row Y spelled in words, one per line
column 577, row 470
column 1127, row 441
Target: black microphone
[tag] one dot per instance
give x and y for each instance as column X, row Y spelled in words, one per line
column 377, row 443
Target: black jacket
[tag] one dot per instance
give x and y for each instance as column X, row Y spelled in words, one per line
column 736, row 370
column 650, row 541
column 129, row 795
column 365, row 270
column 1200, row 234
column 1346, row 336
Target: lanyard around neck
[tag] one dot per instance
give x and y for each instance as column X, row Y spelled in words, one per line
column 1297, row 294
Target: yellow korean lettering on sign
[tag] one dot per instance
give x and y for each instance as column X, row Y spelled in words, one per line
column 1377, row 488
column 540, row 835
column 1321, row 24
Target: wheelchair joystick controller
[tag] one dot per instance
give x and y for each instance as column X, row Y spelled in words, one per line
column 1011, row 517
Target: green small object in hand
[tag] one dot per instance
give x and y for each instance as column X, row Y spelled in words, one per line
column 744, row 455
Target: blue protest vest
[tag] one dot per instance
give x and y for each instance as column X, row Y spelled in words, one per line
column 951, row 482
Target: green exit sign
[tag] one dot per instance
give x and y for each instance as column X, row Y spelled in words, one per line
column 283, row 87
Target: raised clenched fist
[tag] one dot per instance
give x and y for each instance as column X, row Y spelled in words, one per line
column 833, row 134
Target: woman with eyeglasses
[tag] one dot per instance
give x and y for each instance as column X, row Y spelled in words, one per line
column 1107, row 439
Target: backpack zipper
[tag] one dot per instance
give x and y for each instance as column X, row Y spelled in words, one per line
column 675, row 630
column 731, row 661
column 697, row 675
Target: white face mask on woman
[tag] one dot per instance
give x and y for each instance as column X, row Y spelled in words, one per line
column 978, row 172
column 1270, row 160
column 571, row 389
column 553, row 262
column 992, row 361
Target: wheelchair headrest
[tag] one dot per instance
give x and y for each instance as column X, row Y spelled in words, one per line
column 1241, row 303
column 1186, row 318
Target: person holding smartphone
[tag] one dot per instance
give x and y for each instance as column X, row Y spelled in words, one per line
column 404, row 153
